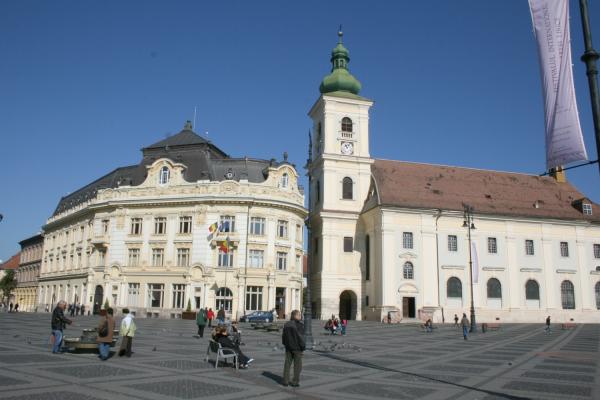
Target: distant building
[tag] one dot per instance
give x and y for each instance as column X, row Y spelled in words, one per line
column 28, row 272
column 388, row 236
column 11, row 263
column 140, row 237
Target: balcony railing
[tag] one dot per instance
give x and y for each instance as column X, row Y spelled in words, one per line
column 347, row 135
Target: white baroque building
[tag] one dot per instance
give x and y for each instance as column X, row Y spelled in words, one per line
column 388, row 236
column 139, row 237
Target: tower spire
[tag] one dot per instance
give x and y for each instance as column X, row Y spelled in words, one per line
column 340, row 80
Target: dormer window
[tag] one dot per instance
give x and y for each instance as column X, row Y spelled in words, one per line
column 164, row 176
column 346, row 124
column 587, row 208
column 284, row 180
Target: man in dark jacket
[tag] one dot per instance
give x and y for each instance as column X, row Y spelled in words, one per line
column 293, row 340
column 59, row 321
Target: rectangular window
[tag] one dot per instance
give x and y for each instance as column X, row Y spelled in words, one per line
column 367, row 301
column 227, row 223
column 348, row 244
column 298, row 233
column 452, row 243
column 178, row 295
column 155, row 294
column 596, row 250
column 136, row 226
column 183, row 257
column 105, row 224
column 185, row 224
column 160, row 225
column 101, row 257
column 254, row 298
column 282, row 229
column 492, row 245
column 407, row 240
column 134, row 257
column 158, row 257
column 587, row 209
column 133, row 294
column 564, row 249
column 529, row 249
column 256, row 258
column 367, row 258
column 225, row 259
column 281, row 260
column 257, row 226
column 299, row 263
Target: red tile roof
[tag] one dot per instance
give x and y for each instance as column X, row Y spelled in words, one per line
column 12, row 263
column 415, row 185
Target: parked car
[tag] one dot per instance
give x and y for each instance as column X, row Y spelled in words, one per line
column 257, row 316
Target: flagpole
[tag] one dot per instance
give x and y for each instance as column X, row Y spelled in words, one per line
column 589, row 57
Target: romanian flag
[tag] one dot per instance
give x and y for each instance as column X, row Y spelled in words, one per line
column 213, row 228
column 225, row 245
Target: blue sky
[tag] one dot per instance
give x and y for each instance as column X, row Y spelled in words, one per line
column 84, row 85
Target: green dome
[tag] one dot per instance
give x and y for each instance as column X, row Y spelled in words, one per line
column 340, row 79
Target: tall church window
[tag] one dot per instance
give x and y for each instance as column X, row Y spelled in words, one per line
column 567, row 295
column 407, row 240
column 346, row 124
column 532, row 290
column 454, row 288
column 164, row 176
column 367, row 258
column 598, row 295
column 494, row 289
column 408, row 271
column 347, row 188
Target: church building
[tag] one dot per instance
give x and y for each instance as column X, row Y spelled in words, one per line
column 391, row 238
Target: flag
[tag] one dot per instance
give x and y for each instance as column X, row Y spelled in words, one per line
column 213, row 227
column 564, row 140
column 475, row 260
column 225, row 245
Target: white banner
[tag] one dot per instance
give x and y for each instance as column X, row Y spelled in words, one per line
column 475, row 259
column 564, row 140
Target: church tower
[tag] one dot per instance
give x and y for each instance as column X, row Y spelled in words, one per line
column 340, row 170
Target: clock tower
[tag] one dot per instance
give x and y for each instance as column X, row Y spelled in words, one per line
column 340, row 171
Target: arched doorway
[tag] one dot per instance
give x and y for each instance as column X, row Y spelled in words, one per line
column 98, row 296
column 347, row 305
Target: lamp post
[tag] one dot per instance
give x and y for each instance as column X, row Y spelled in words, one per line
column 308, row 337
column 468, row 223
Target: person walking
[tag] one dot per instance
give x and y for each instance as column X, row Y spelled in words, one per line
column 127, row 332
column 10, row 307
column 293, row 340
column 456, row 320
column 464, row 322
column 211, row 316
column 58, row 324
column 201, row 322
column 547, row 329
column 105, row 334
column 17, row 307
column 82, row 309
column 221, row 316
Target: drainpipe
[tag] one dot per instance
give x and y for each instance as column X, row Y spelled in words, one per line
column 437, row 256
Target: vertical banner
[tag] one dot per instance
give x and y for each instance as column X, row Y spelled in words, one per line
column 475, row 261
column 564, row 140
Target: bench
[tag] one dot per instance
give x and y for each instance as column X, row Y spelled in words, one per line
column 87, row 340
column 493, row 326
column 273, row 327
column 568, row 325
column 221, row 353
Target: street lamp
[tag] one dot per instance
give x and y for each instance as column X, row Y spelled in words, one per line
column 468, row 223
column 308, row 337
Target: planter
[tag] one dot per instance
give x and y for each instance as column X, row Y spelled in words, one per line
column 188, row 315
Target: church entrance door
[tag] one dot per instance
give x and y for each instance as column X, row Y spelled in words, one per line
column 348, row 305
column 98, row 296
column 408, row 307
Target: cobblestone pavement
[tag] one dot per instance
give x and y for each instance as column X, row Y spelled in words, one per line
column 372, row 361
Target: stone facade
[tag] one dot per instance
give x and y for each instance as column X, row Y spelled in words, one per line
column 28, row 272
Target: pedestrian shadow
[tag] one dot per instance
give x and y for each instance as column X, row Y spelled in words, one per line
column 275, row 378
column 366, row 364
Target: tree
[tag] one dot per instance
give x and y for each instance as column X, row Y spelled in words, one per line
column 106, row 305
column 189, row 306
column 8, row 283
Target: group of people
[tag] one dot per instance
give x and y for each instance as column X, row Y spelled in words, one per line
column 335, row 325
column 105, row 331
column 11, row 307
column 76, row 309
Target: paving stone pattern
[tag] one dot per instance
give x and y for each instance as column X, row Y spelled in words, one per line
column 518, row 361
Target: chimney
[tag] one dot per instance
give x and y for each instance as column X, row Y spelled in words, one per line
column 558, row 173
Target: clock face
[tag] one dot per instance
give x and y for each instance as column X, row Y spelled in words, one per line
column 347, row 148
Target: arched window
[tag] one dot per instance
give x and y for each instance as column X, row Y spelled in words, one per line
column 284, row 180
column 598, row 295
column 567, row 295
column 346, row 124
column 494, row 289
column 164, row 175
column 454, row 288
column 408, row 270
column 347, row 188
column 532, row 290
column 224, row 299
